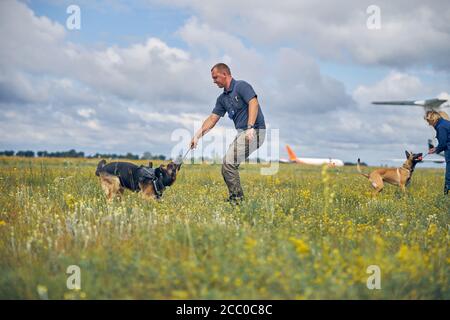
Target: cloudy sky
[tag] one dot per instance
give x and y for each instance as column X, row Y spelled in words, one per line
column 139, row 70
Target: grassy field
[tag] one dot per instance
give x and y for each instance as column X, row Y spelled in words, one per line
column 305, row 233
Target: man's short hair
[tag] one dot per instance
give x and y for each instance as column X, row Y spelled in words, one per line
column 432, row 117
column 221, row 67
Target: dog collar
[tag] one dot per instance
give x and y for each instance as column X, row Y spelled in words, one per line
column 155, row 177
column 158, row 185
column 155, row 186
column 409, row 169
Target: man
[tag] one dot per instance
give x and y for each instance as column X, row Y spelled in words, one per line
column 442, row 128
column 240, row 101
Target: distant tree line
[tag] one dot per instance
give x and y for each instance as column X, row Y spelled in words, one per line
column 7, row 153
column 10, row 153
column 74, row 154
column 129, row 155
column 61, row 154
column 115, row 156
column 354, row 164
column 149, row 156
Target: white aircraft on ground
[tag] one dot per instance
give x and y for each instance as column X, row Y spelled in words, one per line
column 311, row 161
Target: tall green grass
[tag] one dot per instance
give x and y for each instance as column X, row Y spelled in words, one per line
column 305, row 233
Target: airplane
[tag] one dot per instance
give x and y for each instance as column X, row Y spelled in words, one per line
column 311, row 161
column 428, row 105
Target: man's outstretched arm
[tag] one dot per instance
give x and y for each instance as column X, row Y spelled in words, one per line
column 253, row 107
column 207, row 125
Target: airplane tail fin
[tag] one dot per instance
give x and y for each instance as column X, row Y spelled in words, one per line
column 359, row 169
column 291, row 153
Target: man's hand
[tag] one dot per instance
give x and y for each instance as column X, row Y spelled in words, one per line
column 193, row 143
column 250, row 134
column 207, row 125
column 432, row 150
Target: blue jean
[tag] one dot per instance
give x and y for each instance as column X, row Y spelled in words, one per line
column 447, row 169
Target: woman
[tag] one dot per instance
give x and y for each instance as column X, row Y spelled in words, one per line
column 442, row 128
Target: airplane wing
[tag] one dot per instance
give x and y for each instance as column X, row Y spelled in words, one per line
column 423, row 160
column 430, row 103
column 434, row 160
column 396, row 160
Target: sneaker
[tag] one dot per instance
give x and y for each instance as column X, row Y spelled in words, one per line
column 233, row 199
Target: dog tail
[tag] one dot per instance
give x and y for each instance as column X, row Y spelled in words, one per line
column 359, row 169
column 100, row 166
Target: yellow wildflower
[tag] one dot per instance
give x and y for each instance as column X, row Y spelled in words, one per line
column 300, row 246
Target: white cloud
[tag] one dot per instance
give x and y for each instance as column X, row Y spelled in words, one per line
column 58, row 94
column 395, row 86
column 412, row 32
column 184, row 119
column 86, row 113
column 222, row 46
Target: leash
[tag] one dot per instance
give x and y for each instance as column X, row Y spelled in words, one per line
column 184, row 157
column 180, row 160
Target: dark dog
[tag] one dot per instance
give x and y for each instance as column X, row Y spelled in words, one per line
column 115, row 177
column 397, row 176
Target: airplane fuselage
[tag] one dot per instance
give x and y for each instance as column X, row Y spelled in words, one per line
column 320, row 161
column 312, row 161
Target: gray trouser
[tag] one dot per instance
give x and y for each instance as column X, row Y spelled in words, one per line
column 238, row 151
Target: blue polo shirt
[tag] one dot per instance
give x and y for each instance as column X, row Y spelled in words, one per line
column 234, row 101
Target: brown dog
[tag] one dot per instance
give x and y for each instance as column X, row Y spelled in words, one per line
column 115, row 177
column 397, row 176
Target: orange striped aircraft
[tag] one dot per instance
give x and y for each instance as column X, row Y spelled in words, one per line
column 311, row 161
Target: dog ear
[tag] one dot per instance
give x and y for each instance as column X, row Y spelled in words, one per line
column 407, row 154
column 150, row 164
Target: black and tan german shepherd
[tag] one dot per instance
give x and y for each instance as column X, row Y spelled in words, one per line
column 115, row 177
